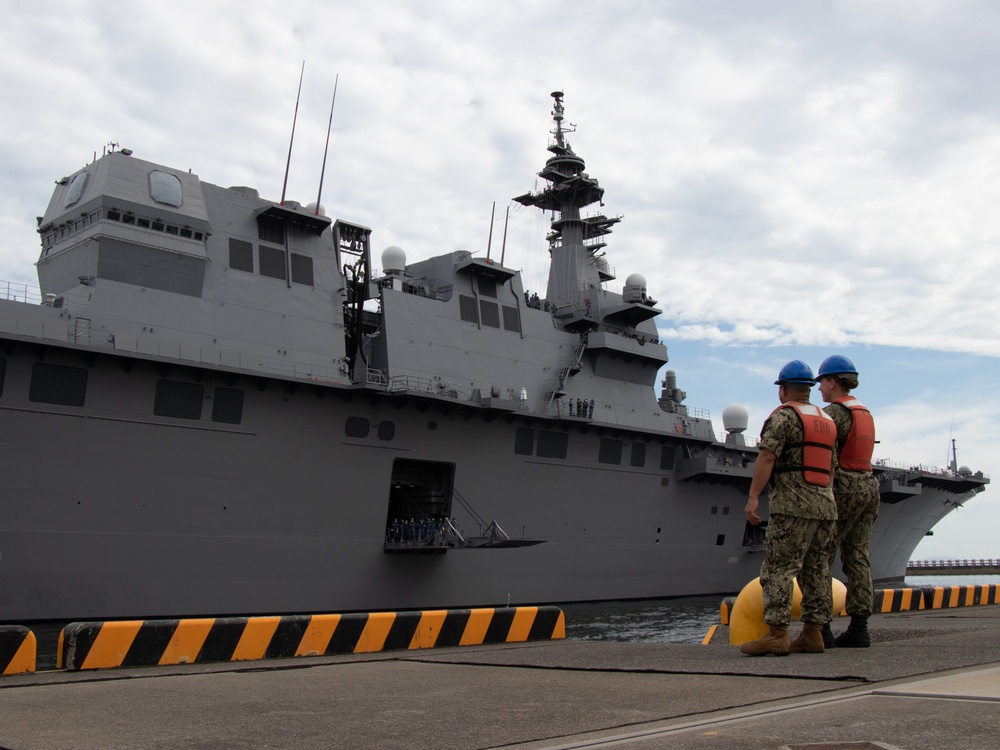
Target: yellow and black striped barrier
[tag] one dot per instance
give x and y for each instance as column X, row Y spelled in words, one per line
column 898, row 600
column 18, row 650
column 141, row 643
column 947, row 597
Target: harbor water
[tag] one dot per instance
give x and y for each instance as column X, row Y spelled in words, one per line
column 685, row 620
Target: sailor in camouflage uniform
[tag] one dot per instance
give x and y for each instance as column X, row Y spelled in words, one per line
column 796, row 461
column 856, row 491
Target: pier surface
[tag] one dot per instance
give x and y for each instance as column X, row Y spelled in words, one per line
column 930, row 680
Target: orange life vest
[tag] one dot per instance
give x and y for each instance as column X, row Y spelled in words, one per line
column 819, row 436
column 856, row 451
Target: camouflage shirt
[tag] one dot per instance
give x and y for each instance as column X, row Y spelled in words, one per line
column 847, row 482
column 789, row 492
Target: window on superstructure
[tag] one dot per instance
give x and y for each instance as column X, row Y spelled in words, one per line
column 552, row 444
column 490, row 313
column 240, row 255
column 128, row 219
column 3, row 373
column 667, row 458
column 271, row 229
column 357, row 427
column 467, row 308
column 57, row 384
column 227, row 405
column 165, row 188
column 487, row 287
column 386, row 430
column 524, row 441
column 178, row 399
column 511, row 321
column 639, row 454
column 302, row 269
column 610, row 451
column 272, row 262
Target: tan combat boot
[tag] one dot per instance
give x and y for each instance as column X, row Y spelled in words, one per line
column 774, row 641
column 810, row 641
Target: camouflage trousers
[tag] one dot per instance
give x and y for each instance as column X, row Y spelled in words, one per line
column 857, row 509
column 797, row 548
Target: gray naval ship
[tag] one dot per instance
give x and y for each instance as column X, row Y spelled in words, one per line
column 214, row 406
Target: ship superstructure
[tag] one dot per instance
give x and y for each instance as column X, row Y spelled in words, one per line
column 219, row 408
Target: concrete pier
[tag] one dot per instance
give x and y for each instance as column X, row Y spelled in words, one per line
column 930, row 680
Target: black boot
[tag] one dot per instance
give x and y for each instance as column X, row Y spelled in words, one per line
column 856, row 635
column 828, row 639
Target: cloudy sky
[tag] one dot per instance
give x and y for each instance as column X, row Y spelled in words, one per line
column 796, row 178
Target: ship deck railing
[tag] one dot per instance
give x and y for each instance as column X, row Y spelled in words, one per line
column 922, row 469
column 14, row 291
column 413, row 383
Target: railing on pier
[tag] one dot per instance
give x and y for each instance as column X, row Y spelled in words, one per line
column 947, row 567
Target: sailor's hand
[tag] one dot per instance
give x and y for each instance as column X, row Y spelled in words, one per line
column 751, row 511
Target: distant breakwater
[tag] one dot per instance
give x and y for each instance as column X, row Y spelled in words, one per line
column 952, row 567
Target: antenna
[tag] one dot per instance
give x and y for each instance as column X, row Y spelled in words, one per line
column 489, row 242
column 503, row 247
column 322, row 171
column 295, row 117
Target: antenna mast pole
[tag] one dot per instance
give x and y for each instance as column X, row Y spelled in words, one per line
column 503, row 247
column 288, row 163
column 489, row 242
column 329, row 126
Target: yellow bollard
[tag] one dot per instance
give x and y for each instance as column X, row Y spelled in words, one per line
column 746, row 620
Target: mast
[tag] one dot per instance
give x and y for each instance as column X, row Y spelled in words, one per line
column 573, row 269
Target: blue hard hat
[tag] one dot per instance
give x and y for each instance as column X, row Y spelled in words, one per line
column 835, row 365
column 796, row 371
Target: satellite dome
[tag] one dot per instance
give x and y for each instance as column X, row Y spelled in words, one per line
column 311, row 208
column 635, row 288
column 734, row 418
column 393, row 259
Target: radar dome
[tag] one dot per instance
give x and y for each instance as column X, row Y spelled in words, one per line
column 735, row 418
column 393, row 259
column 312, row 209
column 635, row 288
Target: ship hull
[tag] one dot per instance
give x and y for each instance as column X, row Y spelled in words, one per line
column 113, row 512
